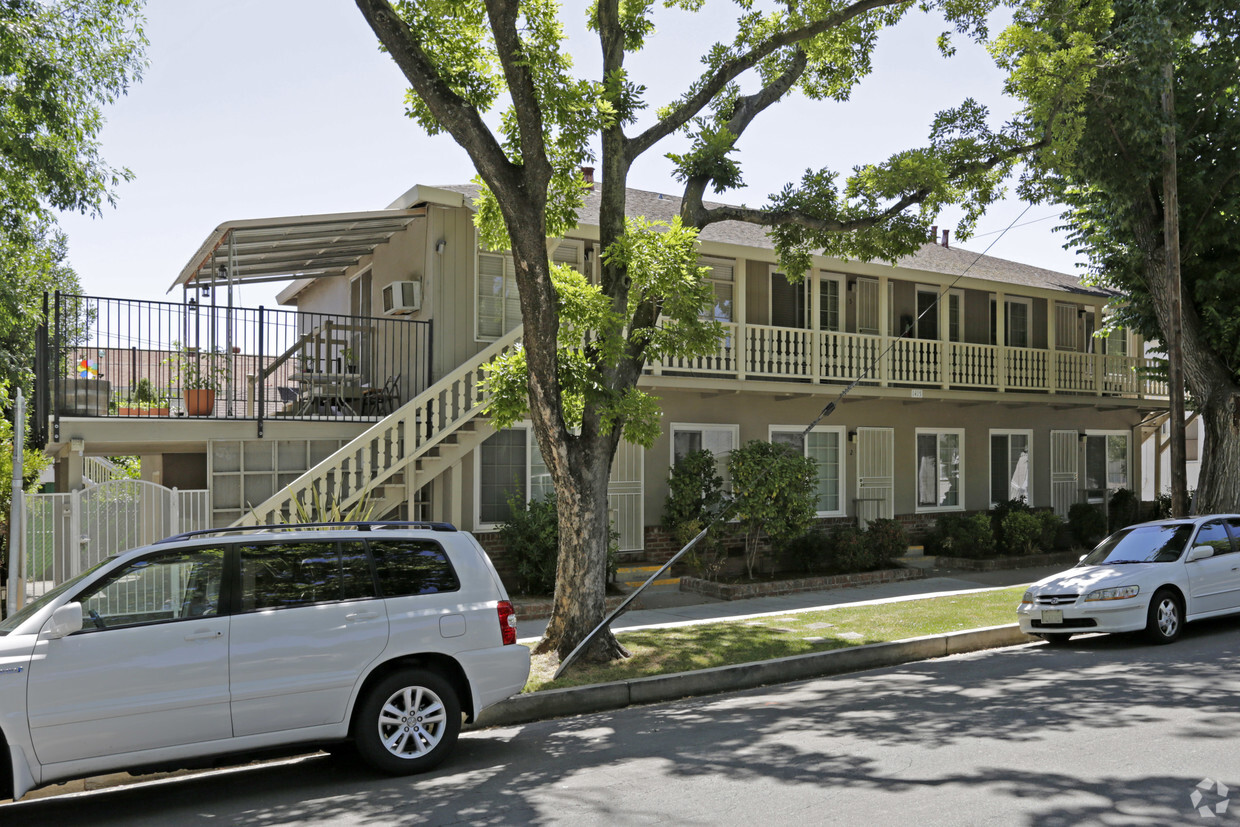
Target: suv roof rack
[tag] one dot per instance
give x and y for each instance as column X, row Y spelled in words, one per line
column 366, row 525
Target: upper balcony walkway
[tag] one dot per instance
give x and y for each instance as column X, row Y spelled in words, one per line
column 815, row 356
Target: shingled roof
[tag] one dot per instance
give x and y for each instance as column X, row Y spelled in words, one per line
column 931, row 258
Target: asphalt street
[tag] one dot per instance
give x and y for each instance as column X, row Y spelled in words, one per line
column 1108, row 730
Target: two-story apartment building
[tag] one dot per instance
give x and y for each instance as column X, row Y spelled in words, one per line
column 999, row 388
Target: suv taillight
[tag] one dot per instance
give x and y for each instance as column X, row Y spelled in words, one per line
column 507, row 622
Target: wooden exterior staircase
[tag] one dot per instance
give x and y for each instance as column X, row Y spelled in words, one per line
column 399, row 454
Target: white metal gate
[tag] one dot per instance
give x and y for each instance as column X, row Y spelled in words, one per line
column 875, row 474
column 1065, row 455
column 68, row 533
column 624, row 495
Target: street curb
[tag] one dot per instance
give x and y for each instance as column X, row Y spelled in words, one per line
column 556, row 703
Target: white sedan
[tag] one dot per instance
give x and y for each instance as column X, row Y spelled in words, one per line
column 1152, row 577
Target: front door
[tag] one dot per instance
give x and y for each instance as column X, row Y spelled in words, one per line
column 148, row 670
column 1065, row 456
column 875, row 474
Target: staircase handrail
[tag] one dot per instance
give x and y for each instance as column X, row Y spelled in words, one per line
column 391, row 444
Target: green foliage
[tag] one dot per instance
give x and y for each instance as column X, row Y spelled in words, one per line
column 694, row 499
column 775, row 492
column 1022, row 533
column 850, row 552
column 887, row 541
column 1087, row 524
column 130, row 466
column 962, row 535
column 1052, row 531
column 195, row 369
column 531, row 535
column 999, row 513
column 322, row 509
column 807, row 553
column 1123, row 509
column 662, row 262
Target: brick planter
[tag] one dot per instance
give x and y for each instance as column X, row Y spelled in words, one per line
column 740, row 591
column 1025, row 561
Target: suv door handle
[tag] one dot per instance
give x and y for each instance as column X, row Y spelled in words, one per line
column 206, row 634
column 361, row 615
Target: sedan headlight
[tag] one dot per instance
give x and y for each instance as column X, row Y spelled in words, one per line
column 1027, row 598
column 1120, row 593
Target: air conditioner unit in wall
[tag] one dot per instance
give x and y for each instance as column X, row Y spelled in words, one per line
column 402, row 297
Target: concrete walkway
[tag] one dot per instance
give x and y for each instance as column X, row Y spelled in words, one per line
column 684, row 608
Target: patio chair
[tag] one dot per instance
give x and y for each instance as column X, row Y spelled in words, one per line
column 289, row 398
column 382, row 400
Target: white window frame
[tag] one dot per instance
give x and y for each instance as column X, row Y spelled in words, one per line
column 714, row 262
column 841, row 287
column 774, row 271
column 1008, row 302
column 990, row 448
column 721, row 462
column 1084, row 460
column 960, row 479
column 506, row 258
column 841, row 436
column 531, row 447
column 958, row 294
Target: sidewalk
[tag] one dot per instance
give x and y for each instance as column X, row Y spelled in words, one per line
column 683, row 608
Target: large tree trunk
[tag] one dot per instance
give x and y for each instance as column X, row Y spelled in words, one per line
column 1215, row 392
column 581, row 572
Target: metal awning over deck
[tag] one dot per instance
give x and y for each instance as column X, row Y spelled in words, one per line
column 292, row 247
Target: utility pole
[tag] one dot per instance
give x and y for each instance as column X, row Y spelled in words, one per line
column 1171, row 240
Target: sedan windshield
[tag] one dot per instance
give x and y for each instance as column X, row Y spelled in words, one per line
column 1142, row 544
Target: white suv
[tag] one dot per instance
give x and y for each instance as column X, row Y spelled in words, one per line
column 231, row 641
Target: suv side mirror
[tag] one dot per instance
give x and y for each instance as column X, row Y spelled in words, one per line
column 1200, row 553
column 65, row 621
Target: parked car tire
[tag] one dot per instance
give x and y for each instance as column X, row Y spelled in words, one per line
column 408, row 722
column 1056, row 640
column 1166, row 617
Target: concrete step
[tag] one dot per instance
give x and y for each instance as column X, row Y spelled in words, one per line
column 630, row 577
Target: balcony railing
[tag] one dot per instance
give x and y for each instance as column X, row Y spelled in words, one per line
column 765, row 352
column 106, row 357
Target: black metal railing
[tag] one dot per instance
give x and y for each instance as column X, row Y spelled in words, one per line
column 134, row 358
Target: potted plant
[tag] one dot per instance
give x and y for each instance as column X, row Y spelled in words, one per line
column 144, row 401
column 200, row 375
column 350, row 360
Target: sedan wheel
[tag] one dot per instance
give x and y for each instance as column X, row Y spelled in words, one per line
column 1165, row 618
column 408, row 723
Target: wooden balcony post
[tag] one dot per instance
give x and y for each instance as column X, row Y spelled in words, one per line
column 815, row 334
column 884, row 327
column 1099, row 356
column 740, row 346
column 1000, row 341
column 1052, row 340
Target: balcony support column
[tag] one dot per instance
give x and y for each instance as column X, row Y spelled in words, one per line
column 1099, row 356
column 815, row 334
column 1001, row 342
column 1052, row 349
column 884, row 326
column 740, row 347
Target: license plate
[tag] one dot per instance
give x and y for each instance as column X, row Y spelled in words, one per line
column 1052, row 616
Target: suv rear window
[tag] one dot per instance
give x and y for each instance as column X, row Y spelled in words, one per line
column 412, row 567
column 284, row 575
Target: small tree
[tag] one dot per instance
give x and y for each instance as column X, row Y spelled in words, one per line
column 774, row 488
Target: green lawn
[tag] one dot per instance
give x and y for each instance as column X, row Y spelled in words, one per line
column 685, row 648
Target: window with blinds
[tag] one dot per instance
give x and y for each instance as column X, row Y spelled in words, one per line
column 498, row 305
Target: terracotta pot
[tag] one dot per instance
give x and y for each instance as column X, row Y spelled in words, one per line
column 142, row 411
column 199, row 401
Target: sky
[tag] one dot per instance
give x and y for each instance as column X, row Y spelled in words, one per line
column 257, row 108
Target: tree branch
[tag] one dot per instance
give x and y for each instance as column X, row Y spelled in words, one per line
column 525, row 103
column 715, row 82
column 456, row 114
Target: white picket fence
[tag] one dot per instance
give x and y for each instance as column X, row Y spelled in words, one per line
column 68, row 533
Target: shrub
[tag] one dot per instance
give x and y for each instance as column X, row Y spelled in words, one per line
column 962, row 535
column 1052, row 528
column 1000, row 512
column 809, row 552
column 532, row 536
column 775, row 492
column 1022, row 532
column 1124, row 509
column 887, row 541
column 694, row 499
column 1087, row 524
column 849, row 550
